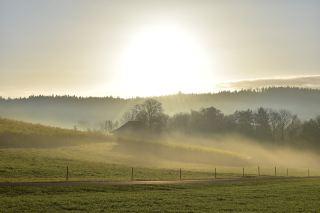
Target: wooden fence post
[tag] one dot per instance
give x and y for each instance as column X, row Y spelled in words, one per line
column 275, row 171
column 258, row 170
column 132, row 174
column 242, row 172
column 180, row 174
column 215, row 173
column 67, row 175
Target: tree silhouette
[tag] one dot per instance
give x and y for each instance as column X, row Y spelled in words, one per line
column 262, row 125
column 150, row 113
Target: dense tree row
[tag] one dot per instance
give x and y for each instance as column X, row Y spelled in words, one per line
column 277, row 126
column 91, row 112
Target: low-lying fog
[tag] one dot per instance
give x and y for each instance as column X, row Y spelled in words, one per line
column 197, row 152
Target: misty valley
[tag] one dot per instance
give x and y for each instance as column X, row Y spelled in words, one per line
column 159, row 106
column 144, row 136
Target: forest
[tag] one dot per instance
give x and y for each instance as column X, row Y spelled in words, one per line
column 275, row 127
column 91, row 112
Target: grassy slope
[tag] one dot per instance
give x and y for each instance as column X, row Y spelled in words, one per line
column 297, row 195
column 32, row 152
column 93, row 156
column 21, row 134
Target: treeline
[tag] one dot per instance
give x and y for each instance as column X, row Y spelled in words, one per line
column 90, row 112
column 271, row 126
column 270, row 91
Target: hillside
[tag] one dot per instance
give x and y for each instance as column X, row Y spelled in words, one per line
column 67, row 111
column 27, row 147
column 21, row 134
column 32, row 151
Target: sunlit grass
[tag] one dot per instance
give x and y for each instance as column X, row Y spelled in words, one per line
column 99, row 162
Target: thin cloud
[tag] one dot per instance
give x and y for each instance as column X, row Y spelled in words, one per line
column 309, row 81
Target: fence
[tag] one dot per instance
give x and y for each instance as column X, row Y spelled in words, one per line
column 137, row 173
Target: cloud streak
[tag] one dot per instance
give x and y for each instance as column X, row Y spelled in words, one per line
column 307, row 81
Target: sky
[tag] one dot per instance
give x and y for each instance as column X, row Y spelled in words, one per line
column 133, row 48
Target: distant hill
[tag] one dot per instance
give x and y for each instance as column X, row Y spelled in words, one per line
column 21, row 134
column 67, row 111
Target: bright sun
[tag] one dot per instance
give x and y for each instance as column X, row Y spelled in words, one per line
column 165, row 59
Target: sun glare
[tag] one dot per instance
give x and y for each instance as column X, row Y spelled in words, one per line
column 165, row 59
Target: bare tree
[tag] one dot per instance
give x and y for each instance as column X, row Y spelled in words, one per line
column 279, row 122
column 131, row 115
column 294, row 129
column 285, row 120
column 262, row 124
column 152, row 111
column 274, row 123
column 149, row 113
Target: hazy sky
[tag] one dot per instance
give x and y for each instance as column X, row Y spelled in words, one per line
column 138, row 48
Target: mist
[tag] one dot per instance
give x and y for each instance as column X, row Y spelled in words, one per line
column 228, row 153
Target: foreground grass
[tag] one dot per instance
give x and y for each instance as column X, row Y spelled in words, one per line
column 274, row 195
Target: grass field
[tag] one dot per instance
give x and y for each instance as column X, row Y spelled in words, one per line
column 97, row 161
column 275, row 195
column 50, row 165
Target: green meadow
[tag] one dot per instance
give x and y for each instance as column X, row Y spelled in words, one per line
column 274, row 195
